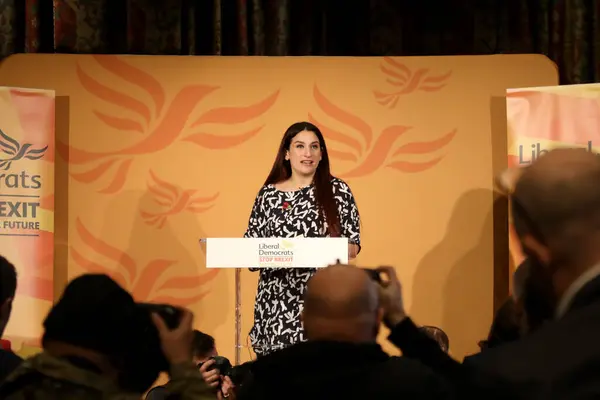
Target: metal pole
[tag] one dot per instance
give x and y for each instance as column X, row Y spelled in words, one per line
column 238, row 315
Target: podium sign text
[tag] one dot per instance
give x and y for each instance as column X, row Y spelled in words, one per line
column 275, row 252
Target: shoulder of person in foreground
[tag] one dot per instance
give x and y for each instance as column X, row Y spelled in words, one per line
column 9, row 361
column 417, row 377
column 466, row 379
column 186, row 383
column 157, row 393
column 42, row 377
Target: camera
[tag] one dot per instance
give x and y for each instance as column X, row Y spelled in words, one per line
column 222, row 364
column 237, row 374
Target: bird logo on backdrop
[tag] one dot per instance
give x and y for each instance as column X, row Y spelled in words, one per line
column 17, row 151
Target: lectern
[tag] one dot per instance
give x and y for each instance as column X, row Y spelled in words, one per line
column 299, row 252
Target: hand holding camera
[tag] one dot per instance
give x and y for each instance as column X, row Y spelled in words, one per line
column 390, row 294
column 215, row 373
column 210, row 374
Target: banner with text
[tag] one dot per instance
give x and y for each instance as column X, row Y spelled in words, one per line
column 543, row 118
column 297, row 252
column 27, row 204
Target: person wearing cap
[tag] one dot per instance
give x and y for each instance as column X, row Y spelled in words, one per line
column 99, row 343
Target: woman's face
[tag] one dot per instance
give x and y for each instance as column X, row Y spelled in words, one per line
column 304, row 153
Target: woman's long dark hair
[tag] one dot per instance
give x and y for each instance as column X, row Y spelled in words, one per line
column 282, row 170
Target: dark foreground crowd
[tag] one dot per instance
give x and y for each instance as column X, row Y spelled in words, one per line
column 98, row 343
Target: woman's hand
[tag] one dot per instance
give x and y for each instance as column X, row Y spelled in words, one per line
column 352, row 251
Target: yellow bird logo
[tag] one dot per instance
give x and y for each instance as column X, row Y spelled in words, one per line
column 287, row 244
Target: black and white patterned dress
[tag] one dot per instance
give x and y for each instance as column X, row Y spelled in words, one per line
column 279, row 296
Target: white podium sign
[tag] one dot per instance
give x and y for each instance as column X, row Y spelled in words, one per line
column 296, row 252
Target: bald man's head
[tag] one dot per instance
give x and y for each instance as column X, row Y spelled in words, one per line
column 341, row 303
column 556, row 213
column 558, row 193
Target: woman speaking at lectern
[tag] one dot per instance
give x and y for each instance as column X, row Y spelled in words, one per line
column 299, row 198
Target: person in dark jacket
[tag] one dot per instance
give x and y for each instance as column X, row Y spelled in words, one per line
column 9, row 361
column 506, row 327
column 99, row 343
column 204, row 349
column 341, row 358
column 556, row 211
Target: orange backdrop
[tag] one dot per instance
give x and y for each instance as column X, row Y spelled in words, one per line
column 165, row 150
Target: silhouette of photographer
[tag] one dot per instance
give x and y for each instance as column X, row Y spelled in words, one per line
column 98, row 342
column 204, row 353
